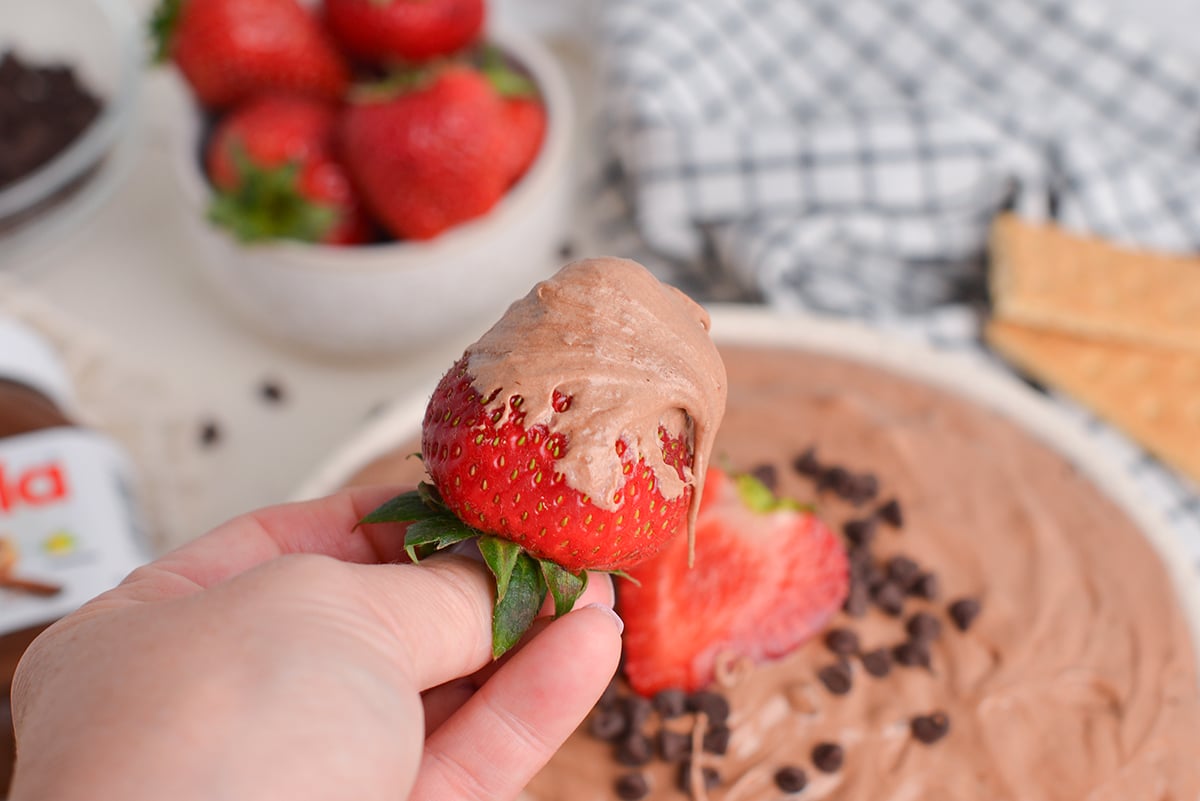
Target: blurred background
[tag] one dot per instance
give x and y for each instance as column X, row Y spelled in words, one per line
column 837, row 159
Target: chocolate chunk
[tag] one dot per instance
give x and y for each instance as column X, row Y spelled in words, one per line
column 889, row 597
column 608, row 723
column 923, row 626
column 862, row 489
column 806, row 464
column 631, row 787
column 926, row 586
column 842, row 642
column 709, row 776
column 930, row 728
column 890, row 513
column 858, row 599
column 712, row 704
column 903, row 571
column 828, row 757
column 272, row 391
column 791, row 779
column 670, row 703
column 610, row 695
column 860, row 532
column 716, row 739
column 673, row 746
column 964, row 611
column 634, row 750
column 878, row 662
column 837, row 678
column 913, row 653
column 210, row 433
column 637, row 711
column 767, row 474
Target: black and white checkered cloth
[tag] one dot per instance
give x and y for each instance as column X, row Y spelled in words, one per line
column 846, row 157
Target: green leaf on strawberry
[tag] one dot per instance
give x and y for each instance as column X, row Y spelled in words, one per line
column 162, row 28
column 521, row 579
column 267, row 203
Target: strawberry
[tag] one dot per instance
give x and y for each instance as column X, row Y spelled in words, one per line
column 525, row 122
column 431, row 157
column 231, row 50
column 502, row 478
column 273, row 166
column 404, row 30
column 768, row 575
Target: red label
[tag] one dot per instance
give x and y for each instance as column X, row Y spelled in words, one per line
column 38, row 486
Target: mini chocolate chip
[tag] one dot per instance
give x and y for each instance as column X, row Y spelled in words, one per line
column 632, row 786
column 842, row 642
column 878, row 662
column 716, row 739
column 890, row 513
column 903, row 571
column 566, row 250
column 210, row 433
column 964, row 611
column 858, row 599
column 767, row 474
column 926, row 586
column 634, row 750
column 673, row 746
column 828, row 757
column 923, row 626
column 637, row 711
column 837, row 678
column 930, row 728
column 834, row 478
column 863, row 489
column 272, row 391
column 864, row 568
column 806, row 464
column 860, row 532
column 670, row 703
column 712, row 704
column 889, row 597
column 791, row 779
column 709, row 776
column 913, row 653
column 608, row 723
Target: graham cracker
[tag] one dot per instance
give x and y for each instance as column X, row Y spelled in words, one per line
column 1044, row 276
column 1152, row 394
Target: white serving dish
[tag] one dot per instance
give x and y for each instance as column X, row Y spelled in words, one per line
column 968, row 376
column 395, row 298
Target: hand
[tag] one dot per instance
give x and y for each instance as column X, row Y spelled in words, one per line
column 281, row 656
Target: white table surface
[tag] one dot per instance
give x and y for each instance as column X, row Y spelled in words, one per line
column 127, row 275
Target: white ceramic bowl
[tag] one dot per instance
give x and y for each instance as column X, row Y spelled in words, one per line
column 399, row 297
column 102, row 40
column 966, row 375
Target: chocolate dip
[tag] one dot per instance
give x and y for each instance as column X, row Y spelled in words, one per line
column 633, row 354
column 1076, row 681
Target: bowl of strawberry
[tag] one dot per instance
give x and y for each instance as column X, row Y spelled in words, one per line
column 343, row 158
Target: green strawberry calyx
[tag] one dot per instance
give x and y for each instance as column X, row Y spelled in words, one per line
column 266, row 203
column 162, row 28
column 508, row 81
column 522, row 580
column 760, row 499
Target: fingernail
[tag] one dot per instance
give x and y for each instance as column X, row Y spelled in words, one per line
column 616, row 619
column 468, row 548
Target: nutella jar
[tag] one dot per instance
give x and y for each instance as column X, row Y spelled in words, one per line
column 69, row 529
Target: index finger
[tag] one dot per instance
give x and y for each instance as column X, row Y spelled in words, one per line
column 326, row 526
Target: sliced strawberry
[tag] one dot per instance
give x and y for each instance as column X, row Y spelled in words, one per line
column 768, row 575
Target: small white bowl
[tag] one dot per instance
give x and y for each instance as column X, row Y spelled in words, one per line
column 395, row 298
column 102, row 41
